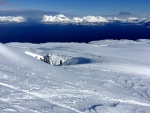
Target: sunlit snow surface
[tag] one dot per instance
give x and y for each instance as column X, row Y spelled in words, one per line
column 112, row 77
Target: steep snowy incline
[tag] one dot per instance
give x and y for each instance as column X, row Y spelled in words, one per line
column 114, row 79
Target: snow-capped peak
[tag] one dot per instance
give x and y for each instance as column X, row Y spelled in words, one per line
column 57, row 18
column 90, row 19
column 132, row 19
column 12, row 19
column 61, row 16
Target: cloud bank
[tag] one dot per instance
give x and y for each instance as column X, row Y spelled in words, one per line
column 17, row 19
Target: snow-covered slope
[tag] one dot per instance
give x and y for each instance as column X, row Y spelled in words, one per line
column 34, row 55
column 108, row 79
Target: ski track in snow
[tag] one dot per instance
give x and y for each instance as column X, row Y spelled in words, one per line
column 95, row 78
column 52, row 102
column 127, row 101
column 38, row 95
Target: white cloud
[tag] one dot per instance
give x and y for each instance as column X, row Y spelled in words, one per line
column 12, row 19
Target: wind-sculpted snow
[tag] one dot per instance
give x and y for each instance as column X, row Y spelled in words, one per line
column 12, row 19
column 96, row 79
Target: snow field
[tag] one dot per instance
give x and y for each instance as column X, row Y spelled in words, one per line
column 117, row 81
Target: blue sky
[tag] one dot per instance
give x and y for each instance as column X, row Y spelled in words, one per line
column 78, row 7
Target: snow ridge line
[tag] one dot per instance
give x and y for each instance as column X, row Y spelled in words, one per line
column 36, row 95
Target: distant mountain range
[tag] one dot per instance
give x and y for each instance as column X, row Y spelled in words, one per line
column 12, row 19
column 62, row 19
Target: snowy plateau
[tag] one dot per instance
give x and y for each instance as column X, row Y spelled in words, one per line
column 108, row 76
